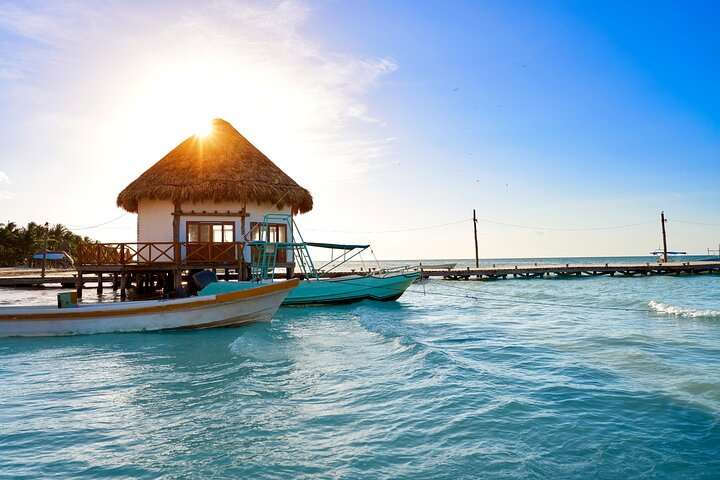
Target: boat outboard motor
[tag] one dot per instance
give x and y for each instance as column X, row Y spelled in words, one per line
column 204, row 278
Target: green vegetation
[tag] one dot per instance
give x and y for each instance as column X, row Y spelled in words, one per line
column 17, row 245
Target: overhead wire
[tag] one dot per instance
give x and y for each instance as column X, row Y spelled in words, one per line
column 493, row 222
column 429, row 227
column 568, row 229
column 99, row 224
column 695, row 223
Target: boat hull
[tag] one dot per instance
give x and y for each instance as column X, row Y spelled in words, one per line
column 222, row 310
column 352, row 288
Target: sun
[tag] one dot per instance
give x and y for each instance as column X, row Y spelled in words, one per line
column 203, row 130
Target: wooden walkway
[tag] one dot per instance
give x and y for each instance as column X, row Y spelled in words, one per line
column 65, row 281
column 568, row 270
column 483, row 273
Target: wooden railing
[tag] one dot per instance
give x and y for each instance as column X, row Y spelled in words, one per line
column 161, row 253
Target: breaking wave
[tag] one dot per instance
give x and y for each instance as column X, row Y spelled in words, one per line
column 682, row 311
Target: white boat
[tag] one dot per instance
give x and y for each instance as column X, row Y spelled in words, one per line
column 256, row 304
column 670, row 255
column 439, row 266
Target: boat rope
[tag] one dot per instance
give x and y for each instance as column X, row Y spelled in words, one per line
column 259, row 224
column 513, row 300
column 477, row 296
column 376, row 260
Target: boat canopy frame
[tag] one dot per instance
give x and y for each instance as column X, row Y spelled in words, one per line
column 263, row 264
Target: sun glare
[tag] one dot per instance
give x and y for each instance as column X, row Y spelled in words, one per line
column 203, row 130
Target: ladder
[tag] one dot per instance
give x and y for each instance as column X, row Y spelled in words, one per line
column 265, row 261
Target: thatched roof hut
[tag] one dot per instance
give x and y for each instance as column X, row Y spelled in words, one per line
column 223, row 166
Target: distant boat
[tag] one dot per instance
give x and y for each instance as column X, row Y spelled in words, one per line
column 660, row 253
column 439, row 266
column 314, row 289
column 255, row 304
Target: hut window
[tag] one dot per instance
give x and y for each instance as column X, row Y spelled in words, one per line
column 277, row 232
column 206, row 232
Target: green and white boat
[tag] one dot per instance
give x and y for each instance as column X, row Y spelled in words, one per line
column 316, row 286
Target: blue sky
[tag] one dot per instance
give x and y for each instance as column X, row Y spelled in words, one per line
column 396, row 115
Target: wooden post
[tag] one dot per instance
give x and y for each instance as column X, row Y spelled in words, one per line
column 123, row 285
column 477, row 259
column 176, row 234
column 100, row 285
column 42, row 274
column 241, row 247
column 662, row 222
column 177, row 280
column 79, row 284
column 167, row 283
column 115, row 282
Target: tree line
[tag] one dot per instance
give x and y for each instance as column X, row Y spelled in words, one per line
column 18, row 244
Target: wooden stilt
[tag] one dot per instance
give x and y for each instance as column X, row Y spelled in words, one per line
column 99, row 283
column 123, row 286
column 167, row 283
column 116, row 282
column 79, row 284
column 177, row 282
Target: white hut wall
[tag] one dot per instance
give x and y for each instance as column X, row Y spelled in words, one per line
column 154, row 228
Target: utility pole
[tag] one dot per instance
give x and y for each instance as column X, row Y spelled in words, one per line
column 662, row 222
column 477, row 259
column 42, row 274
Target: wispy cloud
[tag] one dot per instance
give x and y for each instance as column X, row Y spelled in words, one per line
column 246, row 62
column 4, row 194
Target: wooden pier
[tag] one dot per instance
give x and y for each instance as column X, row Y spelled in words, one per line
column 153, row 280
column 568, row 270
column 65, row 281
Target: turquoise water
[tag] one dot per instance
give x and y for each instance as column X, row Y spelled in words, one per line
column 526, row 378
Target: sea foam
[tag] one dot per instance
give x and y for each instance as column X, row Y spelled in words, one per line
column 682, row 311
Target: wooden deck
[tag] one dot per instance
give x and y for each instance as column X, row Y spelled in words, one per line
column 111, row 275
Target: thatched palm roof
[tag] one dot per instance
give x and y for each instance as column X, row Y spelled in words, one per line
column 223, row 166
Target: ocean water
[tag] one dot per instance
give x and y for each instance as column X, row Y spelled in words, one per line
column 521, row 378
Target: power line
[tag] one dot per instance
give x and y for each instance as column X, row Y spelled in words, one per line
column 394, row 231
column 695, row 223
column 528, row 227
column 514, row 225
column 98, row 225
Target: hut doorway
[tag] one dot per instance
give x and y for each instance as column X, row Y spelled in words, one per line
column 276, row 233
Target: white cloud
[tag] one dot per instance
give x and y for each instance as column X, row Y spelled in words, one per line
column 4, row 194
column 151, row 73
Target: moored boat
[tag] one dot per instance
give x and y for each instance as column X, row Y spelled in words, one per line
column 255, row 304
column 314, row 289
column 345, row 289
